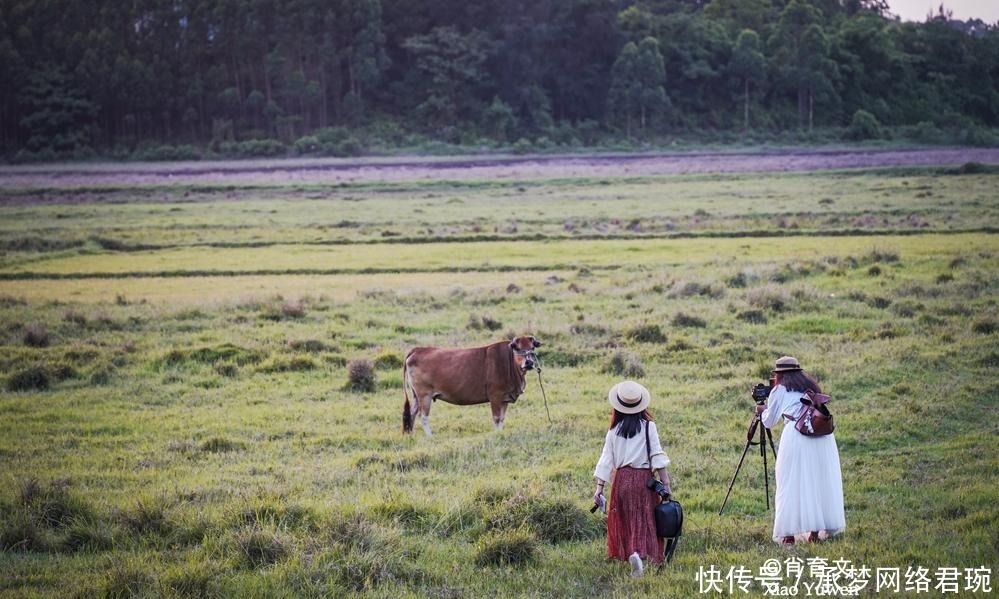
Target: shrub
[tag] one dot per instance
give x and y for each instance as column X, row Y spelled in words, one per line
column 293, row 309
column 361, row 376
column 75, row 317
column 167, row 153
column 880, row 302
column 625, row 364
column 522, row 146
column 769, row 297
column 647, row 333
column 693, row 288
column 252, row 148
column 35, row 335
column 31, row 378
column 508, row 547
column 686, row 320
column 220, row 445
column 874, row 271
column 737, row 280
column 226, row 368
column 984, row 327
column 752, row 316
column 388, row 360
column 882, row 255
column 102, row 374
column 297, row 363
column 312, row 346
column 864, row 125
column 483, row 322
column 330, row 141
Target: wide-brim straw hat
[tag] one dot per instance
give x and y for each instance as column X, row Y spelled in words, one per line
column 787, row 364
column 628, row 397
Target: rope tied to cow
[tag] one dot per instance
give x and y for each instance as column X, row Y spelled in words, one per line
column 543, row 395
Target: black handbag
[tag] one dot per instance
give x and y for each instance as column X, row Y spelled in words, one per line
column 668, row 514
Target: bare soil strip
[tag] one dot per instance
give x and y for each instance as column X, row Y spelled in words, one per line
column 339, row 171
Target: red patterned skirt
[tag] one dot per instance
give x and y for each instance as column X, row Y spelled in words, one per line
column 631, row 525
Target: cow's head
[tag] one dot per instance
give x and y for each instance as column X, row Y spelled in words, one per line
column 523, row 352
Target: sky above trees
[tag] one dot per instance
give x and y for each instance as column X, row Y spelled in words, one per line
column 915, row 10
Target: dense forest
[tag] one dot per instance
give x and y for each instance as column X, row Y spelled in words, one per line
column 258, row 77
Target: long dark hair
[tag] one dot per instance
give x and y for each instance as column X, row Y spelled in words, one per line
column 630, row 423
column 799, row 380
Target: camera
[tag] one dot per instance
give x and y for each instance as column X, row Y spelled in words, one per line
column 658, row 487
column 761, row 392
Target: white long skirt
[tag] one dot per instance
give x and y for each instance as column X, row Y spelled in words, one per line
column 809, row 486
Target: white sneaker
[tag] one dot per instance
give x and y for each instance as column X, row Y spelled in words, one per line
column 636, row 564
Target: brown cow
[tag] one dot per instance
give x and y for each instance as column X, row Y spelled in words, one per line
column 493, row 373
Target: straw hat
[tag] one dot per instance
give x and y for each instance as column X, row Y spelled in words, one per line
column 628, row 397
column 787, row 364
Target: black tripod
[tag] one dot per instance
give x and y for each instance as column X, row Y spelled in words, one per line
column 754, row 426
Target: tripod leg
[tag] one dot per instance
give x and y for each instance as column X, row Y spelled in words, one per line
column 734, row 476
column 770, row 438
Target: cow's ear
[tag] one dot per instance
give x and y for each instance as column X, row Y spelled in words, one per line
column 513, row 345
column 535, row 342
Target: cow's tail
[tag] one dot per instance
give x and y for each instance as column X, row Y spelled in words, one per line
column 407, row 414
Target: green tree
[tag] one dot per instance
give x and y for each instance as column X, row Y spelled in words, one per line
column 55, row 112
column 452, row 66
column 748, row 64
column 637, row 83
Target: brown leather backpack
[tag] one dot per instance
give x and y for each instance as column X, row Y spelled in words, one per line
column 815, row 420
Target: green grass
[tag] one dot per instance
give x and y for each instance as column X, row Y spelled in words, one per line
column 197, row 436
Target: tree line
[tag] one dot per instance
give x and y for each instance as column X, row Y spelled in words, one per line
column 262, row 75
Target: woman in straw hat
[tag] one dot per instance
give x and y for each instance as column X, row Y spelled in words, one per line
column 631, row 443
column 809, row 497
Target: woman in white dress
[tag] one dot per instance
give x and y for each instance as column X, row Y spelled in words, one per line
column 809, row 499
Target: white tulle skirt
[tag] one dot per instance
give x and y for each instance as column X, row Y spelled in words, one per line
column 809, row 486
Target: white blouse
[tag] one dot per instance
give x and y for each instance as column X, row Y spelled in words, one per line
column 781, row 401
column 619, row 452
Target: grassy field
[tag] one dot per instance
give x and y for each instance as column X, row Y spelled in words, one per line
column 178, row 419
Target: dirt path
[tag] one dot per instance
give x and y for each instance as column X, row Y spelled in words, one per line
column 327, row 171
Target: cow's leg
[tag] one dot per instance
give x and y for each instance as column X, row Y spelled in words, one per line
column 425, row 404
column 499, row 413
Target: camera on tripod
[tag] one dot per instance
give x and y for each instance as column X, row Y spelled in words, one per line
column 761, row 392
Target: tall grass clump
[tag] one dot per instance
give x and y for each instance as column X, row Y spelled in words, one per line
column 388, row 360
column 30, row 378
column 625, row 364
column 35, row 335
column 681, row 319
column 20, row 531
column 506, row 547
column 126, row 579
column 256, row 548
column 769, row 297
column 646, row 333
column 550, row 520
column 682, row 289
column 52, row 505
column 361, row 376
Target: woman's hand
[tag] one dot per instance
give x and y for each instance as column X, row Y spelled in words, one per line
column 760, row 408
